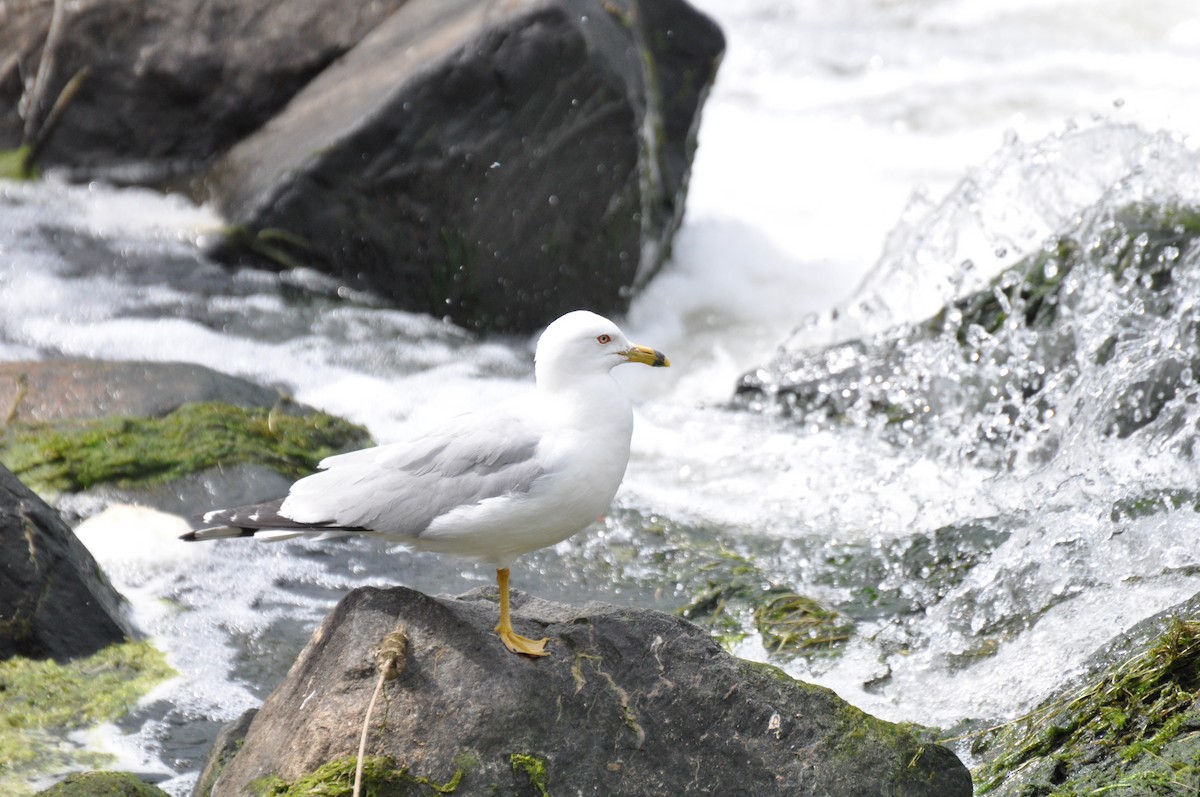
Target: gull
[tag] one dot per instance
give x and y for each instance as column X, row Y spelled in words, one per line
column 489, row 485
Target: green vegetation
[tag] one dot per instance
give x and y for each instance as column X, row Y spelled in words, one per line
column 1131, row 731
column 77, row 455
column 284, row 248
column 791, row 622
column 534, row 768
column 736, row 595
column 42, row 701
column 17, row 164
column 1149, row 504
column 102, row 784
column 382, row 777
column 1138, row 245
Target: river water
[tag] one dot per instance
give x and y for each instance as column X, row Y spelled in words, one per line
column 860, row 164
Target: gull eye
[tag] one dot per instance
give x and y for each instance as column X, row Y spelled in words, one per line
column 604, row 339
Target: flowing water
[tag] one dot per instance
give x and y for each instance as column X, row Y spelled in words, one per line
column 861, row 164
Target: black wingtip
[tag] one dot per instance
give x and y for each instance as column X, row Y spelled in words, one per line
column 189, row 537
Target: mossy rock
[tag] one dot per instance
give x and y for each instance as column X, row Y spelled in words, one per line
column 102, row 784
column 381, row 777
column 1132, row 729
column 75, row 455
column 735, row 595
column 1012, row 351
column 42, row 701
column 1135, row 247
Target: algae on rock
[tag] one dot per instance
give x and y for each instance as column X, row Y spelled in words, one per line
column 68, row 456
column 42, row 701
column 1001, row 362
column 102, row 784
column 1130, row 730
column 382, row 777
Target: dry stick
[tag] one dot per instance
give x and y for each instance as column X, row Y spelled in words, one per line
column 390, row 660
column 33, row 99
column 64, row 99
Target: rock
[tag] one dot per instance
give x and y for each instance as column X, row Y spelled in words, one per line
column 1127, row 724
column 224, row 747
column 167, row 435
column 54, row 390
column 169, row 85
column 496, row 164
column 1005, row 358
column 54, row 601
column 102, row 784
column 632, row 702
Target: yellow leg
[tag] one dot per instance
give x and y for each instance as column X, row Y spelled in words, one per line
column 512, row 640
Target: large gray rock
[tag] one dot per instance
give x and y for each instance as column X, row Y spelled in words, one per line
column 170, row 83
column 54, row 601
column 54, row 390
column 631, row 702
column 499, row 163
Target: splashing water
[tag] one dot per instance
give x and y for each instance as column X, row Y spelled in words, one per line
column 1059, row 368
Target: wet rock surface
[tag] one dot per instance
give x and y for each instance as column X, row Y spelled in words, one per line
column 631, row 702
column 1126, row 725
column 165, row 86
column 54, row 601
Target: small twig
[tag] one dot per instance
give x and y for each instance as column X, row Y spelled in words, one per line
column 33, row 99
column 56, row 111
column 390, row 660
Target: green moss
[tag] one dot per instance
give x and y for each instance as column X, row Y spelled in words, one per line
column 1153, row 503
column 736, row 594
column 284, row 248
column 856, row 730
column 17, row 164
column 381, row 778
column 795, row 623
column 102, row 784
column 41, row 701
column 1136, row 247
column 77, row 455
column 1119, row 724
column 534, row 768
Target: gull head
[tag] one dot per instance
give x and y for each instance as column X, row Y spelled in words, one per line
column 582, row 343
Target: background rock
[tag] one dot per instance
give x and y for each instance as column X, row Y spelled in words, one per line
column 54, row 390
column 171, row 84
column 632, row 702
column 54, row 601
column 499, row 164
column 177, row 437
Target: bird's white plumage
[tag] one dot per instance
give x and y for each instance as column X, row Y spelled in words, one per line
column 496, row 483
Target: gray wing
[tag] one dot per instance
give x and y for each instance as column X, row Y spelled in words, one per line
column 400, row 489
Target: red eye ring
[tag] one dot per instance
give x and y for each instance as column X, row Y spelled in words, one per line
column 604, row 339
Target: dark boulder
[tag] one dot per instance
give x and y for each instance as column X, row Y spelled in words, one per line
column 496, row 164
column 54, row 601
column 165, row 85
column 631, row 702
